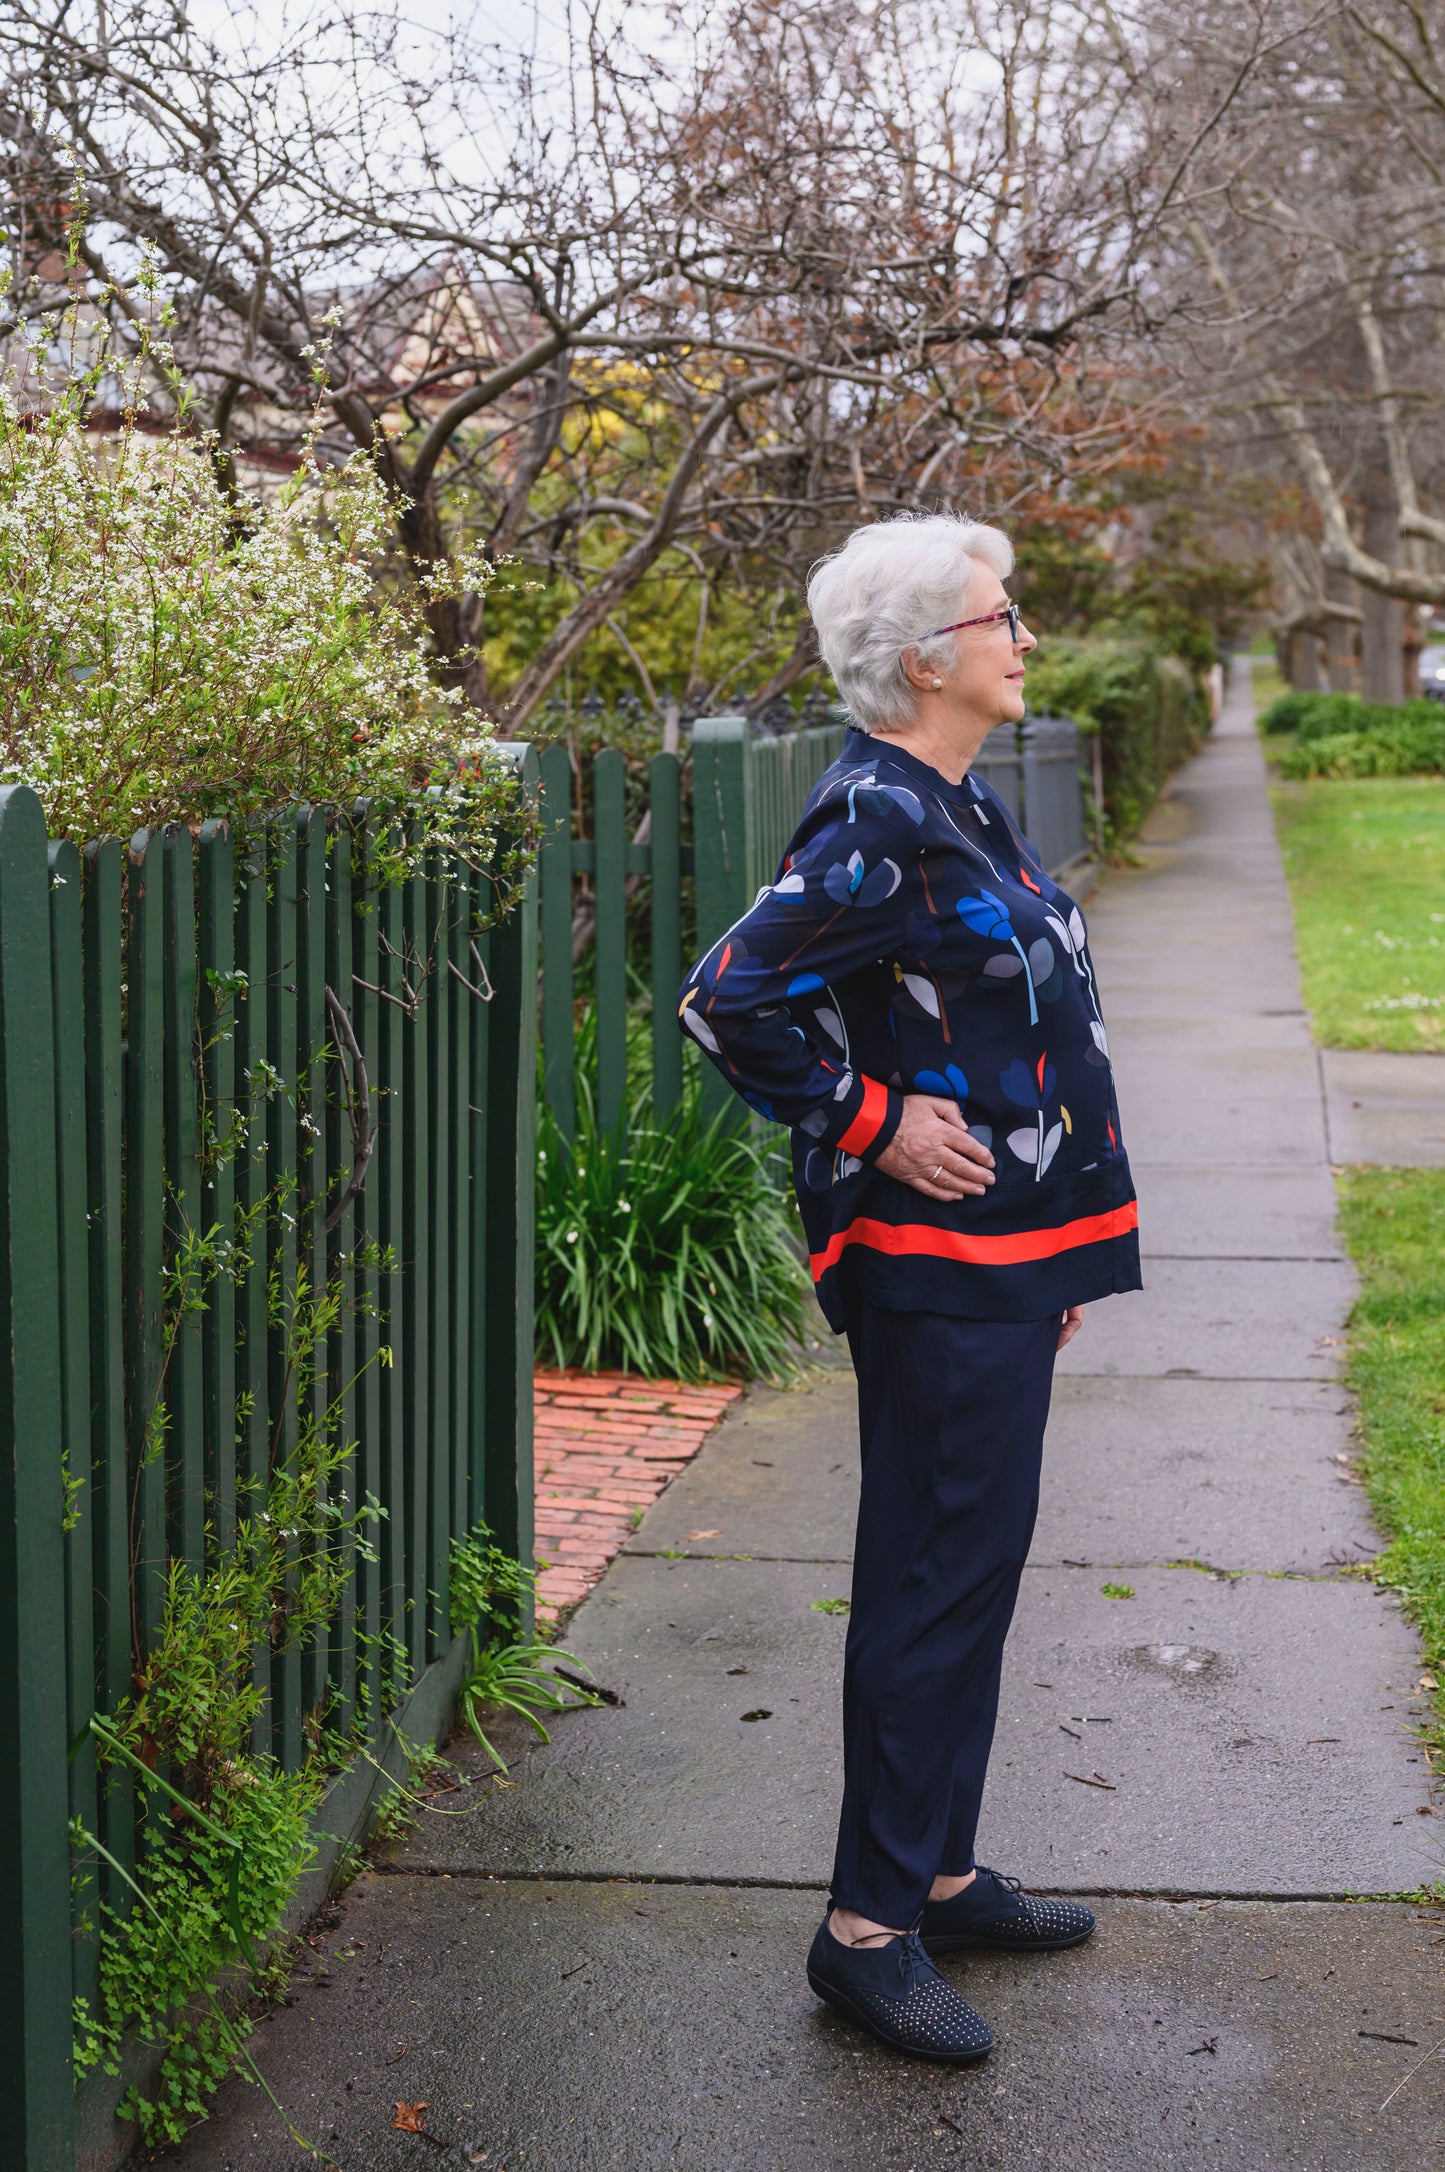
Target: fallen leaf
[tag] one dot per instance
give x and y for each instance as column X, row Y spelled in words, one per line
column 406, row 2047
column 1428, row 1681
column 411, row 2118
column 689, row 1537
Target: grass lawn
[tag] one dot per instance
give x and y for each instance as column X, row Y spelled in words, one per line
column 1366, row 867
column 1394, row 1226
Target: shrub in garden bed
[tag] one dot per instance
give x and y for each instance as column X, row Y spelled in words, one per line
column 1148, row 710
column 671, row 1254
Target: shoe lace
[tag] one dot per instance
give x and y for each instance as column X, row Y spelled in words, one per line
column 1011, row 1885
column 914, row 1965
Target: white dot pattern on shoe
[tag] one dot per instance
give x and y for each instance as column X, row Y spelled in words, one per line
column 1048, row 1919
column 933, row 2019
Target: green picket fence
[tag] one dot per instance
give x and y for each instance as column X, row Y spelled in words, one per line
column 147, row 994
column 747, row 793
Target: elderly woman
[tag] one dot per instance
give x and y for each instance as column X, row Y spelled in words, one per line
column 914, row 997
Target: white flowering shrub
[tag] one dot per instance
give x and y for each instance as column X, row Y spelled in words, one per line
column 170, row 653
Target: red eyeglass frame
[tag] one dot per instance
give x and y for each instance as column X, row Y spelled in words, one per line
column 1010, row 612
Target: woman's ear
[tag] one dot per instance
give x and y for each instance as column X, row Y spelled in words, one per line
column 920, row 676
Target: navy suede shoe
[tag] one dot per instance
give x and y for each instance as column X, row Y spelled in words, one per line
column 897, row 1994
column 993, row 1912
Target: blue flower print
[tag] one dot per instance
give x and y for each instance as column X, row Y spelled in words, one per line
column 849, row 882
column 951, row 1081
column 1032, row 1089
column 988, row 915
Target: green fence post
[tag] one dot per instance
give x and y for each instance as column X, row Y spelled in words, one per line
column 609, row 822
column 35, row 1980
column 555, row 875
column 505, row 1295
column 72, row 1220
column 664, row 779
column 186, row 1212
column 145, row 1217
column 110, row 1493
column 720, row 753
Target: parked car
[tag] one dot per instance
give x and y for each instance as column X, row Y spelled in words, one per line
column 1432, row 671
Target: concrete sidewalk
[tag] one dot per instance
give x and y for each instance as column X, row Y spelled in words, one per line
column 602, row 1968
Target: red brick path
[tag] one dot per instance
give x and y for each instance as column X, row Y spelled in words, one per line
column 607, row 1443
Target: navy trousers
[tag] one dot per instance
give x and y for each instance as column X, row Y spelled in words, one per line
column 951, row 1414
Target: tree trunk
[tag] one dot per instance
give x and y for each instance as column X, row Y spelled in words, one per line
column 1342, row 662
column 1304, row 660
column 1382, row 662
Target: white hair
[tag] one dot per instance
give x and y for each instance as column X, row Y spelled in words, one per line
column 886, row 590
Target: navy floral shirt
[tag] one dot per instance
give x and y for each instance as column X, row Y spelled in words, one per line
column 912, row 943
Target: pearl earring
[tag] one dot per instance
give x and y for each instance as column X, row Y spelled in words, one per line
column 938, row 683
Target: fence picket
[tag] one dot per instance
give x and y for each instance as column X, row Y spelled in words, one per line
column 102, row 966
column 609, row 821
column 35, row 1980
column 283, row 1252
column 439, row 1177
column 555, row 878
column 664, row 782
column 68, row 1028
column 145, row 1227
column 186, row 1220
column 216, row 1008
column 416, row 1261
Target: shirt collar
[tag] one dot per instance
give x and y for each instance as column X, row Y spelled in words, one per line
column 863, row 747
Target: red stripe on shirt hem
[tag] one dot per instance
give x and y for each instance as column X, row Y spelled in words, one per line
column 869, row 1120
column 913, row 1240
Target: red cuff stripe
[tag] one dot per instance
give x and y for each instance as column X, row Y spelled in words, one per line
column 869, row 1121
column 915, row 1240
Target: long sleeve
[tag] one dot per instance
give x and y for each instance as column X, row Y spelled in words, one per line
column 760, row 1004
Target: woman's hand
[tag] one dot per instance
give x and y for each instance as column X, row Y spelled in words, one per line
column 934, row 1151
column 1069, row 1327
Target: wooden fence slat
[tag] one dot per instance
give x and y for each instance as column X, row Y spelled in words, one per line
column 104, row 971
column 216, row 1011
column 253, row 1335
column 145, row 1203
column 72, row 1206
column 480, row 1352
column 510, row 1134
column 416, row 1264
column 185, row 1213
column 357, row 987
column 35, row 1979
column 316, row 1118
column 609, row 790
column 334, row 1178
column 664, row 779
column 459, row 1260
column 389, row 1192
column 283, row 1167
column 439, row 1015
column 555, row 874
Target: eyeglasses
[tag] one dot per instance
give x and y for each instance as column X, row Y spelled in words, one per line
column 1011, row 613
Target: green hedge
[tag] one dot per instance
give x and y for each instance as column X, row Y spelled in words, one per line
column 1339, row 735
column 1149, row 711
